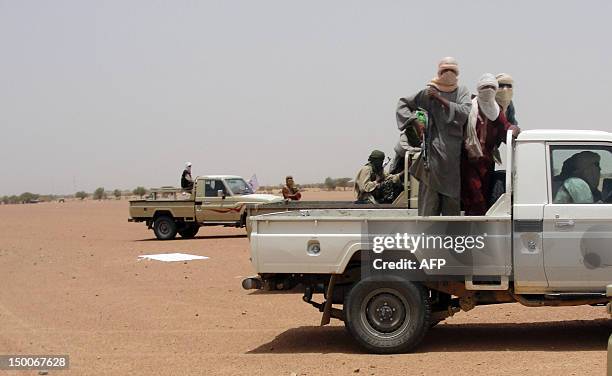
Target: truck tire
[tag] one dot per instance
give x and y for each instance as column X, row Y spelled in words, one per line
column 387, row 317
column 164, row 228
column 189, row 231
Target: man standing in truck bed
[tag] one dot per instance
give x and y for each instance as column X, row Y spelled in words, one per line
column 437, row 170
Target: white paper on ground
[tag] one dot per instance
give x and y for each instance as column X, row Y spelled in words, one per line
column 168, row 257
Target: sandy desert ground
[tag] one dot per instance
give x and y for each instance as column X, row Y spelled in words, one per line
column 71, row 283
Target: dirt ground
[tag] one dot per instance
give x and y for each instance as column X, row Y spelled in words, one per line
column 71, row 283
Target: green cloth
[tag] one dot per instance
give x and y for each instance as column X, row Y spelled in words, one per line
column 574, row 191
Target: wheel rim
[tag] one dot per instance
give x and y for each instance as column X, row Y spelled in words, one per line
column 164, row 228
column 385, row 313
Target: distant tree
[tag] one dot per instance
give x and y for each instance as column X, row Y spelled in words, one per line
column 117, row 194
column 13, row 199
column 26, row 197
column 81, row 194
column 99, row 194
column 330, row 183
column 343, row 183
column 140, row 191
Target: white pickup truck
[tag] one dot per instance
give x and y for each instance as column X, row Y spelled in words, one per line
column 545, row 242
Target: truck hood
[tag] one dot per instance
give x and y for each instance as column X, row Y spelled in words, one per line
column 262, row 197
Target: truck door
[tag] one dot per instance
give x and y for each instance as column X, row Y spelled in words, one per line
column 209, row 206
column 234, row 202
column 578, row 217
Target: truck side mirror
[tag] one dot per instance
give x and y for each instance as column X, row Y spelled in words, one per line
column 220, row 193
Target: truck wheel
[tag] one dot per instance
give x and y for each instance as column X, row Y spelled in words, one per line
column 164, row 228
column 189, row 231
column 387, row 317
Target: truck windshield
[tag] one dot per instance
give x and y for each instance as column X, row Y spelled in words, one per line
column 238, row 186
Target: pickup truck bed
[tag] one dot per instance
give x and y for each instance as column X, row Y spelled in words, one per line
column 283, row 206
column 289, row 206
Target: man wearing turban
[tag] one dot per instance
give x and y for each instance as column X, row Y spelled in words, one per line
column 505, row 92
column 485, row 130
column 186, row 179
column 578, row 181
column 370, row 178
column 447, row 105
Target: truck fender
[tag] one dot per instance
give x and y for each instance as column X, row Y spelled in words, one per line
column 352, row 250
column 162, row 212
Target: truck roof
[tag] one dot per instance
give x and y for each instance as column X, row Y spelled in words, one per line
column 219, row 177
column 563, row 135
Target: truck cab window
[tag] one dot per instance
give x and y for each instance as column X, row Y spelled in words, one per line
column 212, row 186
column 238, row 186
column 581, row 174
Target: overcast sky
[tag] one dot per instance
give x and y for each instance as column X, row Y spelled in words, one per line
column 122, row 93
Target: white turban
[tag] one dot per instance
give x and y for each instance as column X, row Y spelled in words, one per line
column 487, row 79
column 504, row 96
column 504, row 78
column 486, row 97
column 485, row 102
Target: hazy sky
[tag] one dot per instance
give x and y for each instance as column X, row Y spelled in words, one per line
column 122, row 93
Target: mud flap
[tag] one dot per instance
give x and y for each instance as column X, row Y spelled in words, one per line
column 327, row 308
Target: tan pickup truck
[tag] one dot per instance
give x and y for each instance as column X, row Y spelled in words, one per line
column 216, row 200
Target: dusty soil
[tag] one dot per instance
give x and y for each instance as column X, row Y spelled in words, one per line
column 71, row 283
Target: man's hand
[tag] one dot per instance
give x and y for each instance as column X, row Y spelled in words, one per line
column 432, row 92
column 395, row 178
column 419, row 127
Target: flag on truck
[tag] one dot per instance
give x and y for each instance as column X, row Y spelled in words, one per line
column 253, row 183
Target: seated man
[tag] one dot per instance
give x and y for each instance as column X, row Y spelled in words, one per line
column 186, row 180
column 290, row 191
column 372, row 179
column 578, row 181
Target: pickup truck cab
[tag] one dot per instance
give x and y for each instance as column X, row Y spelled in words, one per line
column 216, row 200
column 545, row 242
